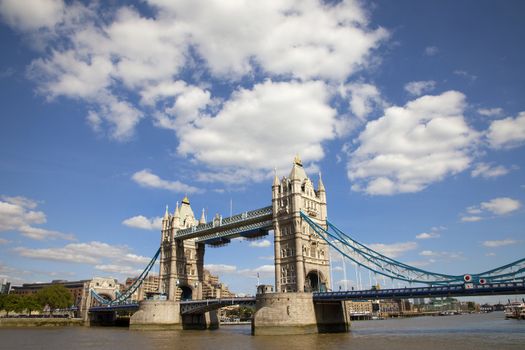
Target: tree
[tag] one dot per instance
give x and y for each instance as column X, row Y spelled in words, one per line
column 31, row 303
column 56, row 297
column 13, row 302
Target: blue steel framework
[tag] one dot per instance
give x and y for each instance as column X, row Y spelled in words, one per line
column 385, row 266
column 506, row 279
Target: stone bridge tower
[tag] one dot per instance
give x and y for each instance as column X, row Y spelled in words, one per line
column 181, row 261
column 301, row 257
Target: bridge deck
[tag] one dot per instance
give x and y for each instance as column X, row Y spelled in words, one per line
column 249, row 224
column 458, row 290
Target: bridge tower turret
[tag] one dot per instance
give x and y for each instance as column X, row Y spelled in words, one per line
column 301, row 257
column 181, row 261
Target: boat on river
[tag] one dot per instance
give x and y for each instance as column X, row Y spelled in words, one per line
column 515, row 309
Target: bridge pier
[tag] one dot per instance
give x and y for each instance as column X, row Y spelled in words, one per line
column 166, row 314
column 157, row 314
column 108, row 318
column 207, row 320
column 297, row 313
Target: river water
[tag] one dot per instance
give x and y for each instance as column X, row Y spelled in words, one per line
column 477, row 331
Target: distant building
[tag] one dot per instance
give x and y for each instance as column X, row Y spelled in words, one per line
column 5, row 287
column 149, row 286
column 80, row 290
column 359, row 309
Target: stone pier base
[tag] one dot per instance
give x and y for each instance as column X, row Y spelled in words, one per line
column 165, row 314
column 157, row 314
column 296, row 313
column 208, row 320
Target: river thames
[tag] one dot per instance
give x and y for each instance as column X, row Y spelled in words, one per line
column 476, row 331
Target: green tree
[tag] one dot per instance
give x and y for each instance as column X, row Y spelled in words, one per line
column 56, row 297
column 13, row 302
column 31, row 303
column 2, row 301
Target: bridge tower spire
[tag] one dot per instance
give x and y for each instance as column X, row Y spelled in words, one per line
column 301, row 257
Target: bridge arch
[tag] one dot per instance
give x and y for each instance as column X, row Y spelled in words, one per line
column 186, row 292
column 315, row 281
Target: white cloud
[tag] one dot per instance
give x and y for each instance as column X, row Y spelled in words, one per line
column 501, row 206
column 490, row 254
column 417, row 88
column 428, row 235
column 497, row 206
column 499, row 243
column 393, row 250
column 220, row 268
column 508, row 132
column 94, row 253
column 103, row 61
column 305, row 39
column 21, row 201
column 431, row 50
column 31, row 14
column 363, row 98
column 143, row 222
column 16, row 215
column 471, row 218
column 262, row 128
column 4, row 241
column 490, row 112
column 261, row 244
column 413, row 146
column 488, row 171
column 146, row 178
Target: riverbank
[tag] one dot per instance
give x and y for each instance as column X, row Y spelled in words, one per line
column 39, row 322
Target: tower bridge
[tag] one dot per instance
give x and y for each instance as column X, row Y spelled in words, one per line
column 302, row 301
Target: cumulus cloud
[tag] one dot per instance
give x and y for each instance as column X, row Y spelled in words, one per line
column 146, row 178
column 508, row 132
column 490, row 112
column 501, row 206
column 262, row 128
column 410, row 147
column 363, row 98
column 142, row 222
column 278, row 36
column 497, row 206
column 428, row 235
column 417, row 88
column 31, row 14
column 16, row 214
column 488, row 171
column 393, row 250
column 103, row 62
column 499, row 243
column 261, row 244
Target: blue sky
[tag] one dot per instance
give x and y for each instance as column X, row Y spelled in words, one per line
column 413, row 111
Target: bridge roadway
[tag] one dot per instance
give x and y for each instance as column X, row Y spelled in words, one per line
column 459, row 290
column 250, row 224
